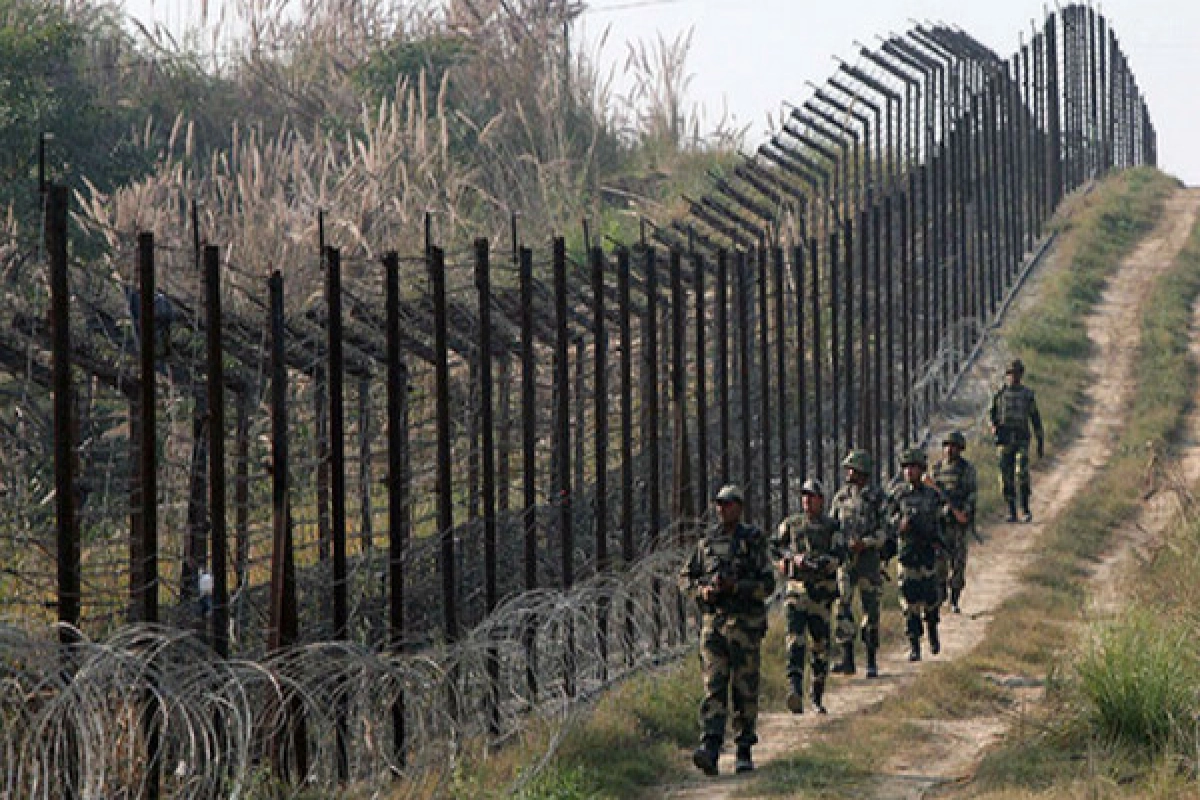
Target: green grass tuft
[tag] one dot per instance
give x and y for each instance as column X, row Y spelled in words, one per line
column 1139, row 682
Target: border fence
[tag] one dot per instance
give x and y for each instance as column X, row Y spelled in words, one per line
column 324, row 538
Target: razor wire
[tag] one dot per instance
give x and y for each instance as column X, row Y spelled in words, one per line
column 86, row 709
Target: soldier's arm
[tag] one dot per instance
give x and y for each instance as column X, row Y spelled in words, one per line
column 1035, row 419
column 839, row 548
column 994, row 410
column 690, row 574
column 781, row 549
column 781, row 543
column 760, row 583
column 889, row 517
column 970, row 489
column 939, row 533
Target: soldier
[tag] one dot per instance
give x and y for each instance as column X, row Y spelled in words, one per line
column 1014, row 409
column 954, row 477
column 914, row 512
column 858, row 508
column 808, row 549
column 730, row 576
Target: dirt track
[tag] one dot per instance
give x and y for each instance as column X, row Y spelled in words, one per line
column 995, row 566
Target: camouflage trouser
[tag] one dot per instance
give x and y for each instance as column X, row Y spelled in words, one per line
column 806, row 618
column 729, row 656
column 920, row 595
column 1014, row 470
column 870, row 589
column 953, row 563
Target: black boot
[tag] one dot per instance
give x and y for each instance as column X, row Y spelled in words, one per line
column 955, row 595
column 1026, row 514
column 818, row 693
column 705, row 757
column 871, row 640
column 795, row 698
column 913, row 627
column 846, row 665
column 935, row 644
column 743, row 763
column 914, row 648
column 1012, row 510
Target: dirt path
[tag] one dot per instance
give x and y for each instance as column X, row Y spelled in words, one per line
column 995, row 566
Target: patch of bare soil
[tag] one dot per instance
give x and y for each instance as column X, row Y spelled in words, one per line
column 995, row 566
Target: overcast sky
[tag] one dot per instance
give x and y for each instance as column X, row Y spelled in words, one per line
column 748, row 57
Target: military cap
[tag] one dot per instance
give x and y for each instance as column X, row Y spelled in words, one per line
column 913, row 455
column 858, row 459
column 1017, row 367
column 813, row 486
column 955, row 438
column 730, row 494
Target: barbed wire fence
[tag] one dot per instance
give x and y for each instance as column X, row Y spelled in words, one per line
column 320, row 537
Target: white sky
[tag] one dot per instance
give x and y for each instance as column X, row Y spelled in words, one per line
column 750, row 56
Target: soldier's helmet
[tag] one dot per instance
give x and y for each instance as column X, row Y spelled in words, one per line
column 1017, row 367
column 730, row 494
column 914, row 456
column 813, row 486
column 858, row 460
column 955, row 438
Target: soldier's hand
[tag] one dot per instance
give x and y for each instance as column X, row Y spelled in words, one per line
column 709, row 594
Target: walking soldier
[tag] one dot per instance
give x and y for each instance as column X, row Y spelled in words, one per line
column 1013, row 412
column 955, row 478
column 858, row 508
column 914, row 510
column 730, row 576
column 808, row 549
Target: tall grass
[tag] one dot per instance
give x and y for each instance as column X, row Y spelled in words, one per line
column 1139, row 682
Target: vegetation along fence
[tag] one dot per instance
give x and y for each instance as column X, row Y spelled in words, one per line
column 323, row 538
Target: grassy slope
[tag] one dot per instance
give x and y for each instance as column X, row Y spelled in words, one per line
column 1119, row 719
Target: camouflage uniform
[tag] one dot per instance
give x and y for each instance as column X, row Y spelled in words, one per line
column 811, row 590
column 1013, row 412
column 914, row 511
column 732, row 626
column 959, row 486
column 859, row 511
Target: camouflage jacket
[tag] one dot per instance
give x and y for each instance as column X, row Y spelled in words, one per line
column 915, row 514
column 959, row 485
column 741, row 560
column 819, row 541
column 859, row 512
column 1014, row 410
